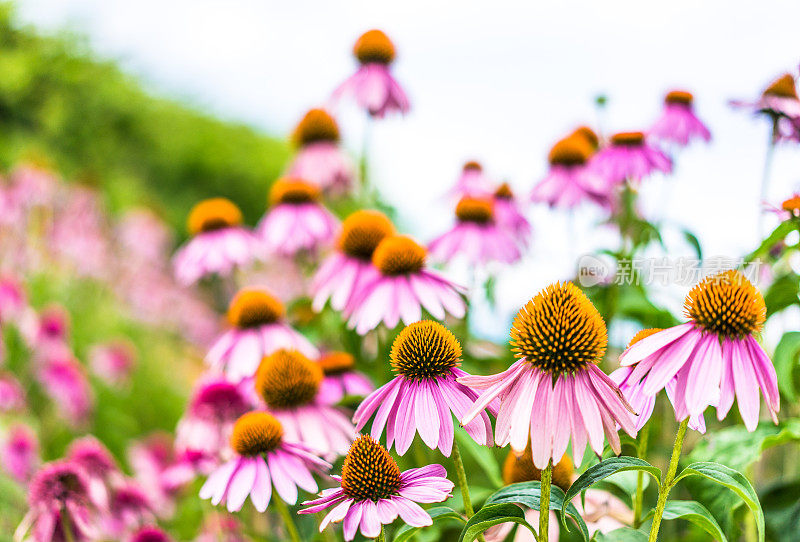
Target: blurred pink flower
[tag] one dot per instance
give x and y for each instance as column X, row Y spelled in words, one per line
column 372, row 86
column 319, row 159
column 258, row 329
column 33, row 186
column 129, row 508
column 297, row 221
column 64, row 381
column 348, row 268
column 58, row 488
column 12, row 396
column 263, row 458
column 778, row 100
column 98, row 465
column 13, row 300
column 401, row 288
column 113, row 362
column 631, row 157
column 475, row 237
column 341, row 379
column 508, row 215
column 221, row 527
column 149, row 534
column 472, row 182
column 48, row 332
column 570, row 180
column 80, row 234
column 678, row 124
column 143, row 238
column 219, row 243
column 149, row 459
column 19, row 453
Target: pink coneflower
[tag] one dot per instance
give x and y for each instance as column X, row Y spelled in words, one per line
column 715, row 356
column 113, row 362
column 778, row 100
column 129, row 508
column 263, row 458
column 214, row 407
column 555, row 390
column 143, row 237
column 149, row 460
column 64, row 381
column 425, row 395
column 258, row 329
column 476, row 236
column 13, row 300
column 289, row 384
column 12, row 396
column 341, row 379
column 33, row 186
column 373, row 492
column 678, row 123
column 98, row 465
column 402, row 288
column 48, row 332
column 59, row 500
column 508, row 215
column 372, row 86
column 472, row 182
column 346, row 270
column 642, row 403
column 149, row 534
column 221, row 527
column 631, row 157
column 570, row 180
column 297, row 221
column 219, row 242
column 320, row 160
column 19, row 454
column 789, row 208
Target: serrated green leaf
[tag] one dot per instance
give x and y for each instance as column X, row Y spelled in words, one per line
column 696, row 513
column 491, row 515
column 438, row 513
column 606, row 468
column 733, row 480
column 528, row 495
column 482, row 456
column 785, row 360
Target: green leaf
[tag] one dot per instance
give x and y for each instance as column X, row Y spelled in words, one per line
column 733, row 480
column 781, row 505
column 606, row 468
column 738, row 448
column 438, row 513
column 782, row 293
column 482, row 456
column 490, row 515
column 696, row 513
column 785, row 359
column 626, row 534
column 528, row 495
column 692, row 239
column 777, row 235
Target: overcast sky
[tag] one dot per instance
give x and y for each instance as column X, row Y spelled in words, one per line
column 496, row 81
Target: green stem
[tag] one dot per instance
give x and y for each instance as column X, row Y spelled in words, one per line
column 288, row 521
column 544, row 502
column 644, row 435
column 66, row 526
column 461, row 474
column 382, row 536
column 667, row 480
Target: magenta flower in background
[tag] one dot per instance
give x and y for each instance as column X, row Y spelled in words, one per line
column 341, row 379
column 143, row 237
column 149, row 534
column 402, row 288
column 289, row 384
column 570, row 181
column 555, row 390
column 19, row 454
column 206, row 426
column 263, row 458
column 13, row 301
column 48, row 332
column 778, row 100
column 297, row 221
column 714, row 357
column 373, row 492
column 629, row 156
column 219, row 242
column 319, row 159
column 258, row 329
column 347, row 269
column 372, row 86
column 678, row 124
column 472, row 182
column 58, row 488
column 12, row 396
column 113, row 362
column 64, row 381
column 98, row 465
column 509, row 217
column 129, row 508
column 476, row 237
column 149, row 460
column 425, row 394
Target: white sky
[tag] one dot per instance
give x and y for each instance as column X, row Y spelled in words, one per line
column 498, row 81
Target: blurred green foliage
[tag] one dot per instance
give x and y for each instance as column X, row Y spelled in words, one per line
column 96, row 124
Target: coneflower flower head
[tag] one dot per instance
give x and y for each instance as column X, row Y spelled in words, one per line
column 424, row 395
column 319, row 159
column 715, row 356
column 374, row 492
column 350, row 267
column 213, row 214
column 678, row 124
column 570, row 180
column 555, row 390
column 374, row 46
column 341, row 377
column 629, row 156
column 317, row 125
column 150, row 534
